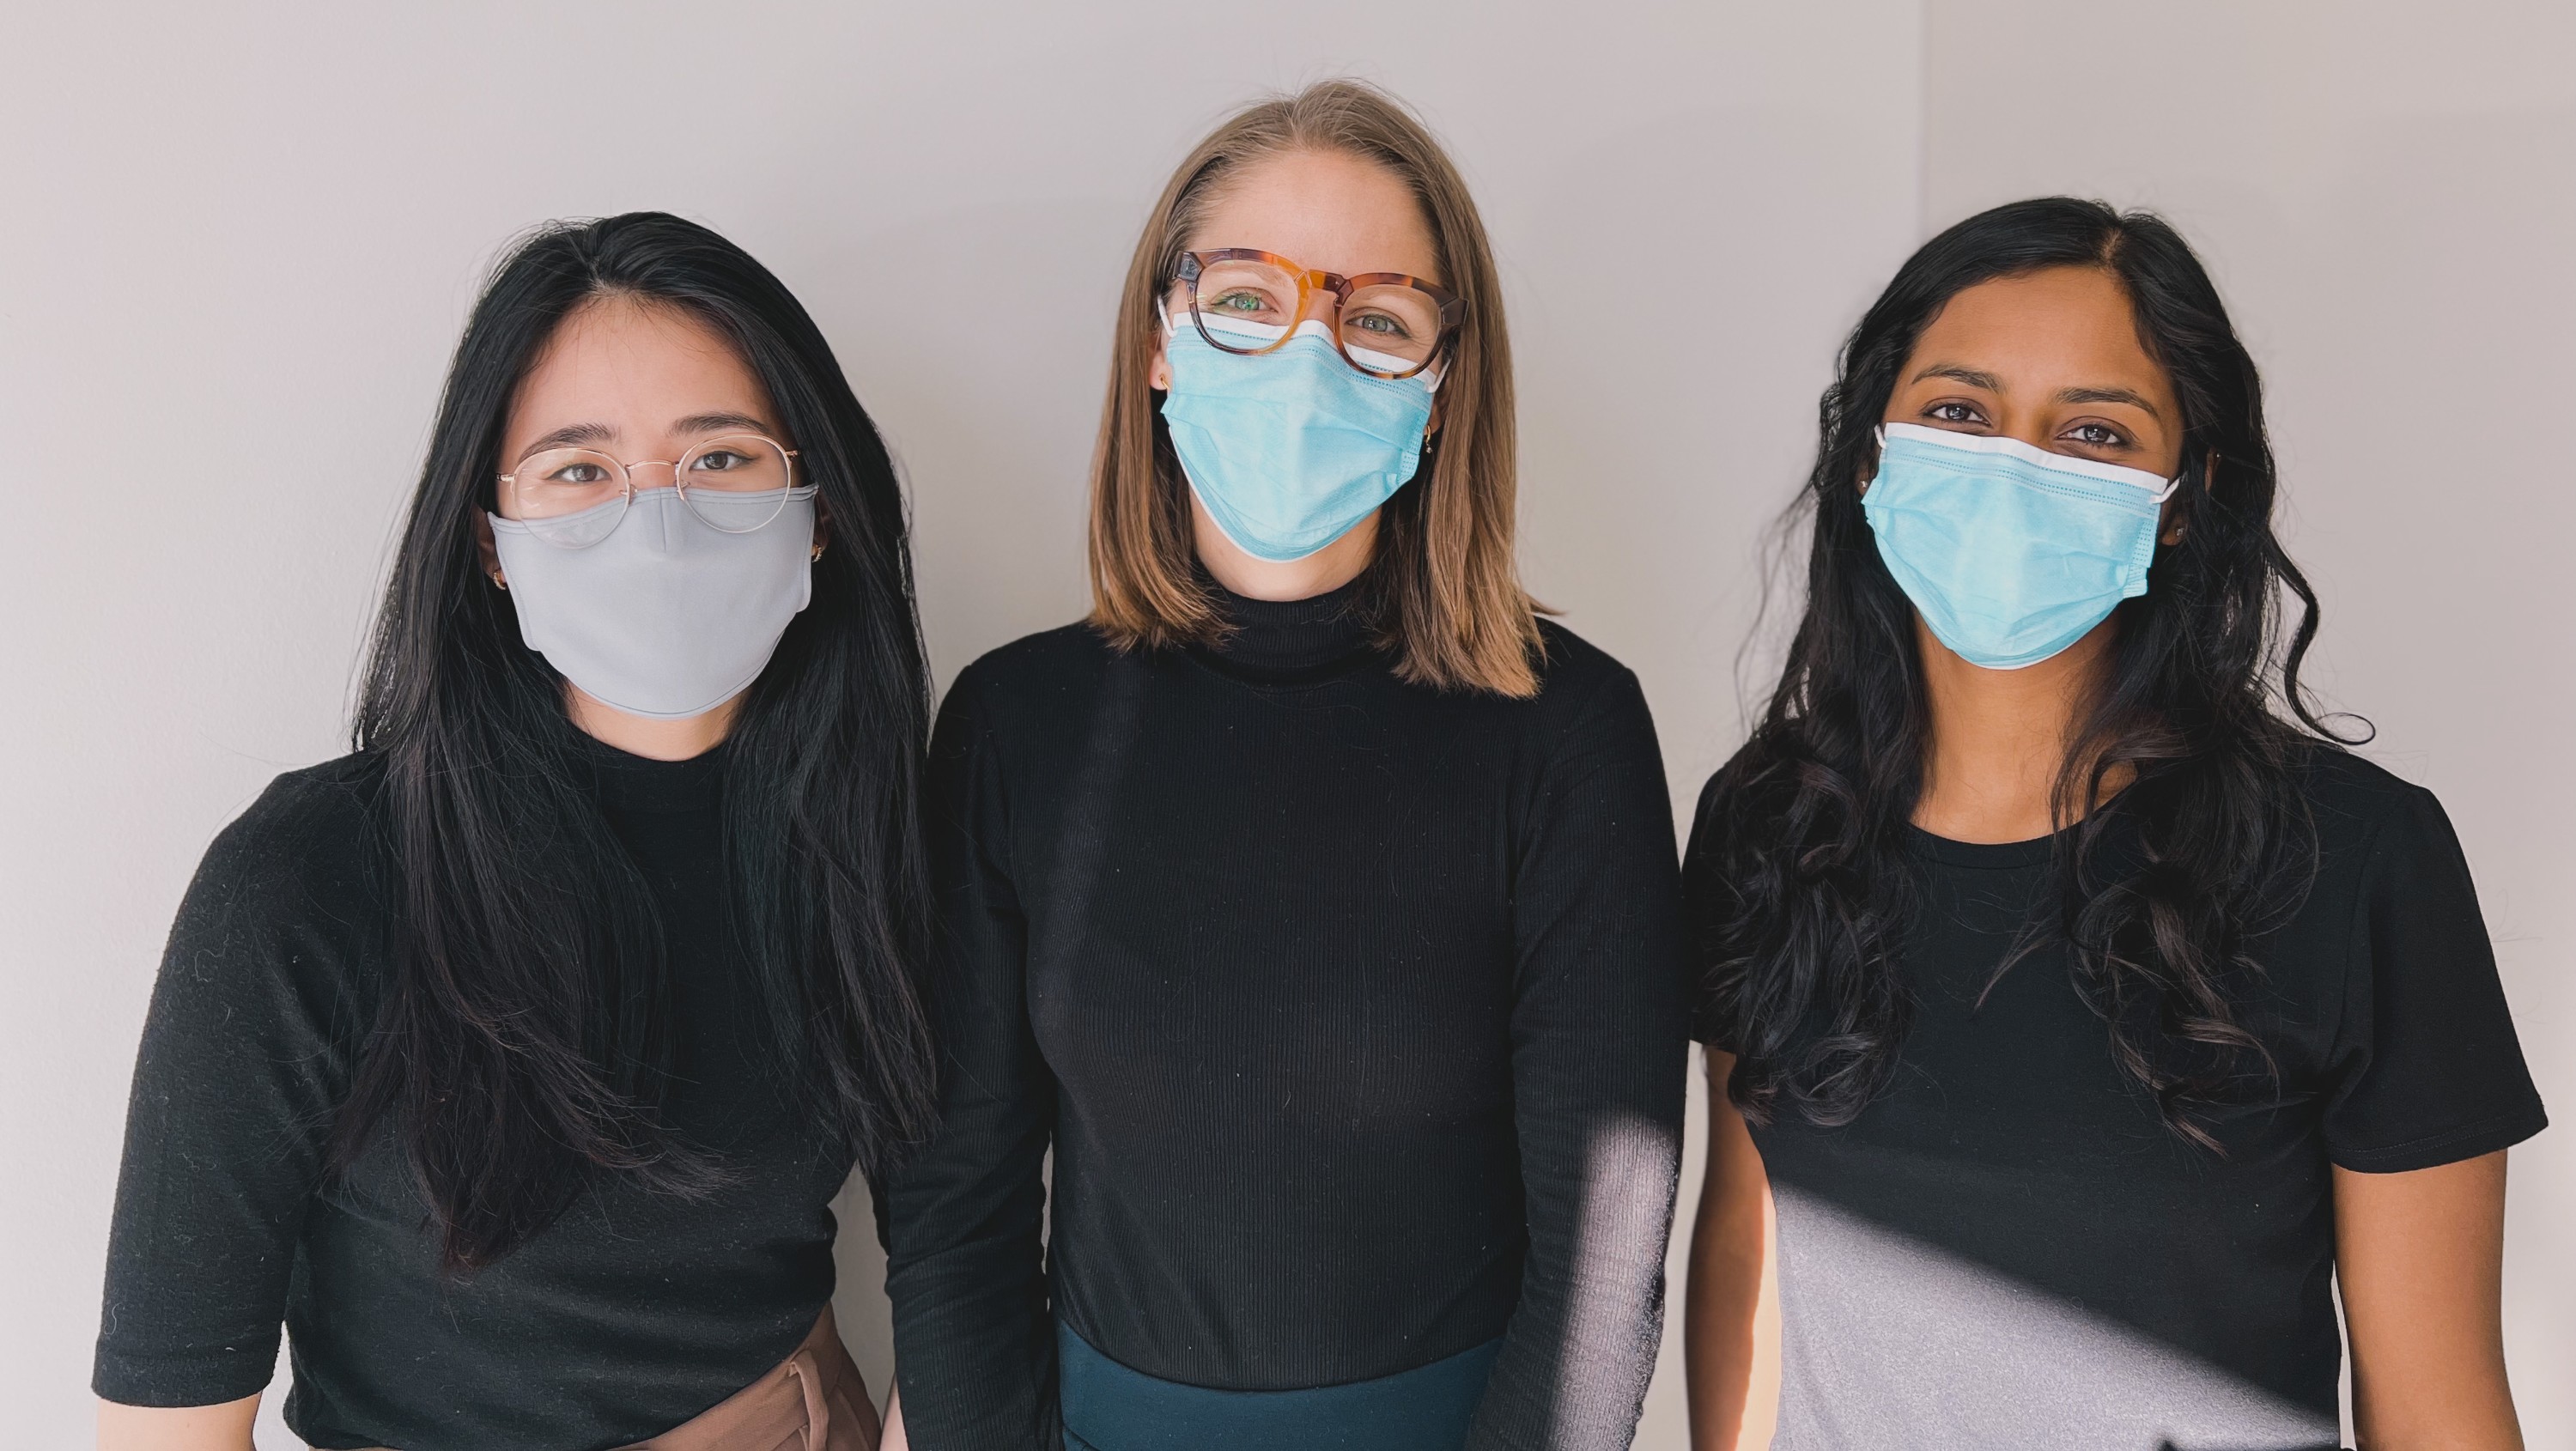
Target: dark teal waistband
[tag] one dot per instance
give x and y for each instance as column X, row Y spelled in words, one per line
column 1108, row 1407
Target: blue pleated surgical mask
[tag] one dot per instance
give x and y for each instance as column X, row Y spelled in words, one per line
column 666, row 615
column 1289, row 450
column 2011, row 553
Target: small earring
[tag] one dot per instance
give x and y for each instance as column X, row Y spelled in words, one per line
column 499, row 583
column 816, row 557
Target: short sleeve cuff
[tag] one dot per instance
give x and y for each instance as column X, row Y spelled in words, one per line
column 2448, row 1147
column 208, row 1378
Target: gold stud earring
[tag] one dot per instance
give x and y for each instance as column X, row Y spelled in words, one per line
column 499, row 583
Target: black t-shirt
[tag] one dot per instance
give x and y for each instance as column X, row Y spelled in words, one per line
column 1351, row 1009
column 632, row 1313
column 2009, row 1245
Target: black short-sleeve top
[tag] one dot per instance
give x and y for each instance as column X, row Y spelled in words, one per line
column 629, row 1314
column 2014, row 1198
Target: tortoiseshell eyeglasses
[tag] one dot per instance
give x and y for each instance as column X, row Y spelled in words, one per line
column 1384, row 324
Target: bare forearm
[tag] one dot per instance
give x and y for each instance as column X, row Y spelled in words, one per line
column 1730, row 1324
column 2420, row 1260
column 177, row 1428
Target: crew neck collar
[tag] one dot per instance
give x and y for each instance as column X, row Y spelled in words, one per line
column 1982, row 855
column 628, row 782
column 1289, row 637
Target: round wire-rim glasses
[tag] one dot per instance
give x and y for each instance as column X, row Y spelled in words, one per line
column 1376, row 295
column 737, row 483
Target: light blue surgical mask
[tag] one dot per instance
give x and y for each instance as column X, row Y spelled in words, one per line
column 2011, row 553
column 1289, row 450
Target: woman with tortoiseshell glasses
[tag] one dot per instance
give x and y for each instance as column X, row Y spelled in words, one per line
column 1313, row 900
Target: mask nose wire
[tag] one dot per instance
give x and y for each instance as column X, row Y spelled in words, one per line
column 1879, row 435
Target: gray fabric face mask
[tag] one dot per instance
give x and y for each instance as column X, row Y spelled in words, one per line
column 667, row 616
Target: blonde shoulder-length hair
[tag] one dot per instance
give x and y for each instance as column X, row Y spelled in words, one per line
column 1442, row 592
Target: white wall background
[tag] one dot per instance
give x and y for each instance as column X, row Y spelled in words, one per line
column 240, row 241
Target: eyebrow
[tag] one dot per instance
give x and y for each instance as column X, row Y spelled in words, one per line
column 573, row 435
column 1970, row 376
column 1977, row 378
column 719, row 422
column 593, row 435
column 2109, row 395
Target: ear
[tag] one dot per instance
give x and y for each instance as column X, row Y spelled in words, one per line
column 488, row 552
column 822, row 527
column 1869, row 470
column 1158, row 371
column 2178, row 512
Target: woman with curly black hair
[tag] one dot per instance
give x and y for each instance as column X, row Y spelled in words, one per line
column 2081, row 1010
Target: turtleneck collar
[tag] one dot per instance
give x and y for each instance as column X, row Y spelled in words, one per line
column 631, row 783
column 1273, row 638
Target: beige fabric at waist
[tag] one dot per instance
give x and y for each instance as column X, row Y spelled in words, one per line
column 813, row 1400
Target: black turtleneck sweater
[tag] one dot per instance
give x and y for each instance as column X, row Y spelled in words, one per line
column 1349, row 1008
column 630, row 1314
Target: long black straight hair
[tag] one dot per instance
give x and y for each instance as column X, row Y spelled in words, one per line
column 1800, row 859
column 525, row 1035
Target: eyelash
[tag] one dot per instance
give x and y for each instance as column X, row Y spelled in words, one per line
column 1943, row 412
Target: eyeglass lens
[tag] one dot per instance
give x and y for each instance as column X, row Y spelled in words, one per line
column 575, row 496
column 1247, row 305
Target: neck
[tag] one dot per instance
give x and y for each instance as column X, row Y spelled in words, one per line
column 1322, row 572
column 641, row 735
column 2000, row 736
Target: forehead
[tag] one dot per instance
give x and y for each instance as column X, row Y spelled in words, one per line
column 2061, row 326
column 1328, row 210
column 619, row 361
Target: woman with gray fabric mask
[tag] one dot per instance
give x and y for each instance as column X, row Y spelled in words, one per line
column 514, row 1060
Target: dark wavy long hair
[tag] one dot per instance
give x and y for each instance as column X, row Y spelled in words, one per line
column 525, row 1034
column 1800, row 846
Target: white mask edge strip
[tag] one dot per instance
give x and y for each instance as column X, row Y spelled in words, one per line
column 2162, row 488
